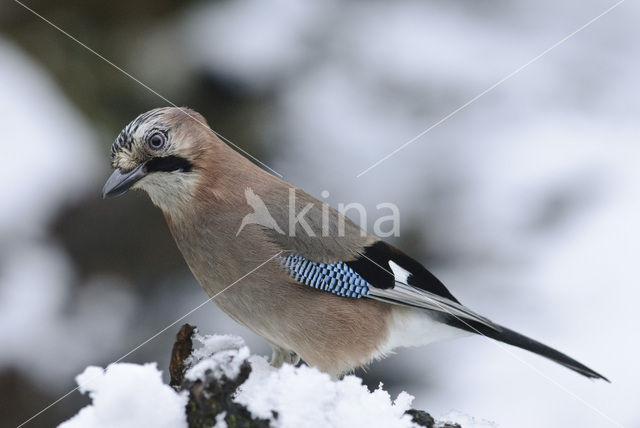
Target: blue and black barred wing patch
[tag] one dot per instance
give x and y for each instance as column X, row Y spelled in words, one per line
column 337, row 278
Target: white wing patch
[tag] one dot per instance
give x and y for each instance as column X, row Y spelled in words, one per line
column 399, row 273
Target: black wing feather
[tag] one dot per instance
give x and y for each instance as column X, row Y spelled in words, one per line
column 373, row 266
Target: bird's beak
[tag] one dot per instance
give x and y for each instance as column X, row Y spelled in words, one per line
column 121, row 181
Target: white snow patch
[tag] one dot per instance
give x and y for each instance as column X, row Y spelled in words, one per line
column 220, row 354
column 305, row 397
column 128, row 395
column 220, row 421
column 464, row 420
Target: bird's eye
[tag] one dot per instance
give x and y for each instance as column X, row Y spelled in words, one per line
column 156, row 141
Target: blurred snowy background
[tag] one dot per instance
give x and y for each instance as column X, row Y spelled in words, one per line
column 526, row 203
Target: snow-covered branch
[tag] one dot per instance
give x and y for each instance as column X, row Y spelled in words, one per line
column 219, row 383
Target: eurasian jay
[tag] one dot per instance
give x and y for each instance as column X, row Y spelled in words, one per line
column 320, row 288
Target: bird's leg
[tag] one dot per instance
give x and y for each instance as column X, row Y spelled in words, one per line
column 292, row 358
column 280, row 356
column 277, row 357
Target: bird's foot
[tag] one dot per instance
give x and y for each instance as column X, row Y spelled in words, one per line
column 281, row 356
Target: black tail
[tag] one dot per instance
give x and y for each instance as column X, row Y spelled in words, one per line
column 511, row 337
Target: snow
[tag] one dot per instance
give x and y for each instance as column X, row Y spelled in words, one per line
column 222, row 355
column 305, row 397
column 220, row 422
column 132, row 395
column 465, row 421
column 128, row 395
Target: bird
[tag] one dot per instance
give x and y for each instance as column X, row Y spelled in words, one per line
column 316, row 286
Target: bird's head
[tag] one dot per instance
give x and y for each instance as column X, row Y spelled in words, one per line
column 162, row 152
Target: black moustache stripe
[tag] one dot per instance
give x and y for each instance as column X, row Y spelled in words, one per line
column 168, row 164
